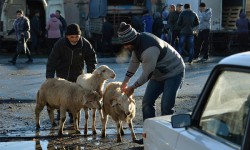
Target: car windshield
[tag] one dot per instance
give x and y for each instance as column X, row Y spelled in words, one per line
column 228, row 106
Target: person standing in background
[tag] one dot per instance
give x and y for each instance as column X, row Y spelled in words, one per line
column 21, row 27
column 63, row 21
column 107, row 35
column 187, row 20
column 147, row 21
column 243, row 27
column 35, row 31
column 204, row 15
column 157, row 25
column 173, row 26
column 54, row 32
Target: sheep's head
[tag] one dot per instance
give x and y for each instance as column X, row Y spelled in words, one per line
column 125, row 103
column 105, row 72
column 93, row 100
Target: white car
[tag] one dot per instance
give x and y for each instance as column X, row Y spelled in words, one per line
column 220, row 119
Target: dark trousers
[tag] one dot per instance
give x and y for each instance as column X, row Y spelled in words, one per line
column 50, row 44
column 243, row 41
column 173, row 40
column 18, row 52
column 202, row 43
column 35, row 43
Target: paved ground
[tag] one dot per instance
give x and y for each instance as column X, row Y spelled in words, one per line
column 19, row 84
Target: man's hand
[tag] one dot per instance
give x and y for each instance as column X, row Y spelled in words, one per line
column 129, row 90
column 124, row 86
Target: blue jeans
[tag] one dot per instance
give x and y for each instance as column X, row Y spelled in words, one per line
column 169, row 88
column 190, row 45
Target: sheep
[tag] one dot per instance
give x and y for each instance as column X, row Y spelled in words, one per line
column 94, row 81
column 66, row 96
column 120, row 107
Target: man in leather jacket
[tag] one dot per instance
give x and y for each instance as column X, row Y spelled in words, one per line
column 69, row 55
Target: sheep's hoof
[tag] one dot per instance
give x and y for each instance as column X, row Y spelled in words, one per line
column 119, row 140
column 37, row 127
column 103, row 135
column 78, row 132
column 60, row 133
column 94, row 133
column 122, row 132
column 54, row 124
column 135, row 139
column 85, row 132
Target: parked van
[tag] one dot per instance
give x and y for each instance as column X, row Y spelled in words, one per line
column 9, row 8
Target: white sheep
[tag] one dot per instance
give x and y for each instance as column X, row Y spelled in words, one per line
column 120, row 107
column 66, row 96
column 94, row 81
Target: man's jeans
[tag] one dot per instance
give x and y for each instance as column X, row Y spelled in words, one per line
column 190, row 45
column 169, row 88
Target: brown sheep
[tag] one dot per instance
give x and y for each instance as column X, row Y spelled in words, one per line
column 94, row 81
column 120, row 107
column 66, row 96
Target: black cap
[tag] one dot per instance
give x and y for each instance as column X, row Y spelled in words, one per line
column 73, row 29
column 202, row 5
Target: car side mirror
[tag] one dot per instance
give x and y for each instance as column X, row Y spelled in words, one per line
column 181, row 120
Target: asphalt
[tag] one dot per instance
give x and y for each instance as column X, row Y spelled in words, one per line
column 21, row 81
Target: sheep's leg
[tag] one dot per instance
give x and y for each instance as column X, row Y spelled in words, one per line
column 86, row 121
column 122, row 131
column 75, row 121
column 51, row 116
column 93, row 121
column 38, row 110
column 130, row 124
column 119, row 137
column 62, row 121
column 79, row 118
column 104, row 124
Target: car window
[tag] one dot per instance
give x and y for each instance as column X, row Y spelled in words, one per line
column 227, row 109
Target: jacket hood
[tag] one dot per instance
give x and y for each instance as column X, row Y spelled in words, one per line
column 242, row 15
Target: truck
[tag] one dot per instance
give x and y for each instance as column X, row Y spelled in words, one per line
column 92, row 12
column 224, row 15
column 88, row 14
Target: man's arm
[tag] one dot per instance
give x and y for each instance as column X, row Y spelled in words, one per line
column 53, row 60
column 90, row 58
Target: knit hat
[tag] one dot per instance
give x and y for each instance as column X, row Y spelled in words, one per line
column 126, row 33
column 73, row 29
column 52, row 15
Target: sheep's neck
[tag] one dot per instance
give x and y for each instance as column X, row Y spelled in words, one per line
column 99, row 84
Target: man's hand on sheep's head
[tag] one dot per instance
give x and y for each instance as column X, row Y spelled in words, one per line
column 129, row 91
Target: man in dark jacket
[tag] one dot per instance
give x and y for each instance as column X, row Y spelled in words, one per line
column 107, row 35
column 243, row 25
column 69, row 55
column 188, row 19
column 63, row 21
column 35, row 31
column 172, row 23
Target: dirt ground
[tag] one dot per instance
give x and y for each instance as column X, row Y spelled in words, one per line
column 19, row 116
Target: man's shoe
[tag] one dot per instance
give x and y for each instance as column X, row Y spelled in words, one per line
column 12, row 61
column 140, row 141
column 204, row 59
column 29, row 61
column 195, row 60
column 190, row 62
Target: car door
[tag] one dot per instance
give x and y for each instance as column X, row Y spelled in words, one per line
column 222, row 120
